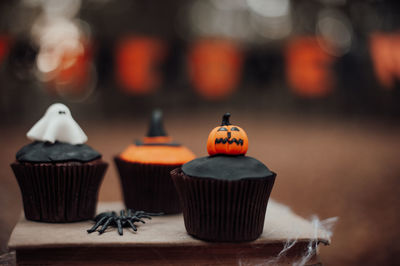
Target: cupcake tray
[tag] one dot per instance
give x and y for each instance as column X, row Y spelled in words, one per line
column 162, row 240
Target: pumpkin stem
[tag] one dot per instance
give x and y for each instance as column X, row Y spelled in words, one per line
column 156, row 128
column 225, row 120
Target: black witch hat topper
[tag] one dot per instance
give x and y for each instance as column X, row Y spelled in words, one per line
column 156, row 128
column 157, row 136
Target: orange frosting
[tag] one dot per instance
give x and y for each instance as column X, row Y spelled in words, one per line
column 157, row 154
column 158, row 139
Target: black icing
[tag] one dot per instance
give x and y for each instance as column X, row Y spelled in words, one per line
column 226, row 167
column 230, row 141
column 140, row 143
column 156, row 128
column 46, row 152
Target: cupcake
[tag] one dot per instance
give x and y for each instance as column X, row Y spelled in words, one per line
column 224, row 195
column 58, row 175
column 144, row 169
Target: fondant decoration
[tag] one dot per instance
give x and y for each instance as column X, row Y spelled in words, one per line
column 160, row 143
column 157, row 147
column 57, row 125
column 44, row 152
column 227, row 139
column 156, row 128
column 226, row 168
column 157, row 134
column 126, row 218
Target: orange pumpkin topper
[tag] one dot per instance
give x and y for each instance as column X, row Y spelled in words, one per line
column 227, row 139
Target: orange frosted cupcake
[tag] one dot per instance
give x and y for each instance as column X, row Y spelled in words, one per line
column 144, row 169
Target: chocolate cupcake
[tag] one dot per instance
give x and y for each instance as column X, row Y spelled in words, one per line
column 58, row 175
column 225, row 195
column 144, row 169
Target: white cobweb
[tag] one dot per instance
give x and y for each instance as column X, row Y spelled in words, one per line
column 324, row 227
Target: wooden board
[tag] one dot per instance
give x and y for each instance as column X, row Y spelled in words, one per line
column 161, row 240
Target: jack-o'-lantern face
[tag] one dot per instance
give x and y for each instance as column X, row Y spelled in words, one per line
column 227, row 139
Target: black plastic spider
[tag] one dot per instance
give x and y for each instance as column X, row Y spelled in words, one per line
column 126, row 218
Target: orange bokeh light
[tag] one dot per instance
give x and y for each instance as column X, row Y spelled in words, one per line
column 385, row 53
column 215, row 68
column 308, row 68
column 72, row 76
column 137, row 60
column 74, row 67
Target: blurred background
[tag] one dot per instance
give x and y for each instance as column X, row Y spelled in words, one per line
column 315, row 83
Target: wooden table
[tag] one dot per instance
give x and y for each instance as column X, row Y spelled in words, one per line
column 162, row 241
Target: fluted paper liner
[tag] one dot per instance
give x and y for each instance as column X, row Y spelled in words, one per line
column 223, row 210
column 59, row 192
column 148, row 187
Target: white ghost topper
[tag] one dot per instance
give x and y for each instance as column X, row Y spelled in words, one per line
column 57, row 124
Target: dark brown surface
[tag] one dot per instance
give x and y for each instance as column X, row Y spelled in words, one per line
column 329, row 167
column 60, row 192
column 208, row 255
column 148, row 187
column 223, row 210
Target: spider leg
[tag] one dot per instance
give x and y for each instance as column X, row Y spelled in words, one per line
column 154, row 213
column 104, row 227
column 137, row 219
column 144, row 216
column 119, row 225
column 137, row 213
column 133, row 226
column 91, row 230
column 99, row 216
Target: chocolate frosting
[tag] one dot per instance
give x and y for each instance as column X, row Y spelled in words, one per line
column 45, row 152
column 226, row 167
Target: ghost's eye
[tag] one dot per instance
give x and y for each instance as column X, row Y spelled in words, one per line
column 222, row 129
column 61, row 112
column 234, row 129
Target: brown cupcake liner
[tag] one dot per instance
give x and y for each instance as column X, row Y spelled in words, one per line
column 223, row 210
column 59, row 192
column 148, row 187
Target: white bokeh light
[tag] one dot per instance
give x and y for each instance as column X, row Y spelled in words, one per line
column 335, row 28
column 270, row 8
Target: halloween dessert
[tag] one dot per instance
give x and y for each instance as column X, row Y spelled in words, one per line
column 144, row 169
column 58, row 175
column 224, row 195
column 127, row 218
